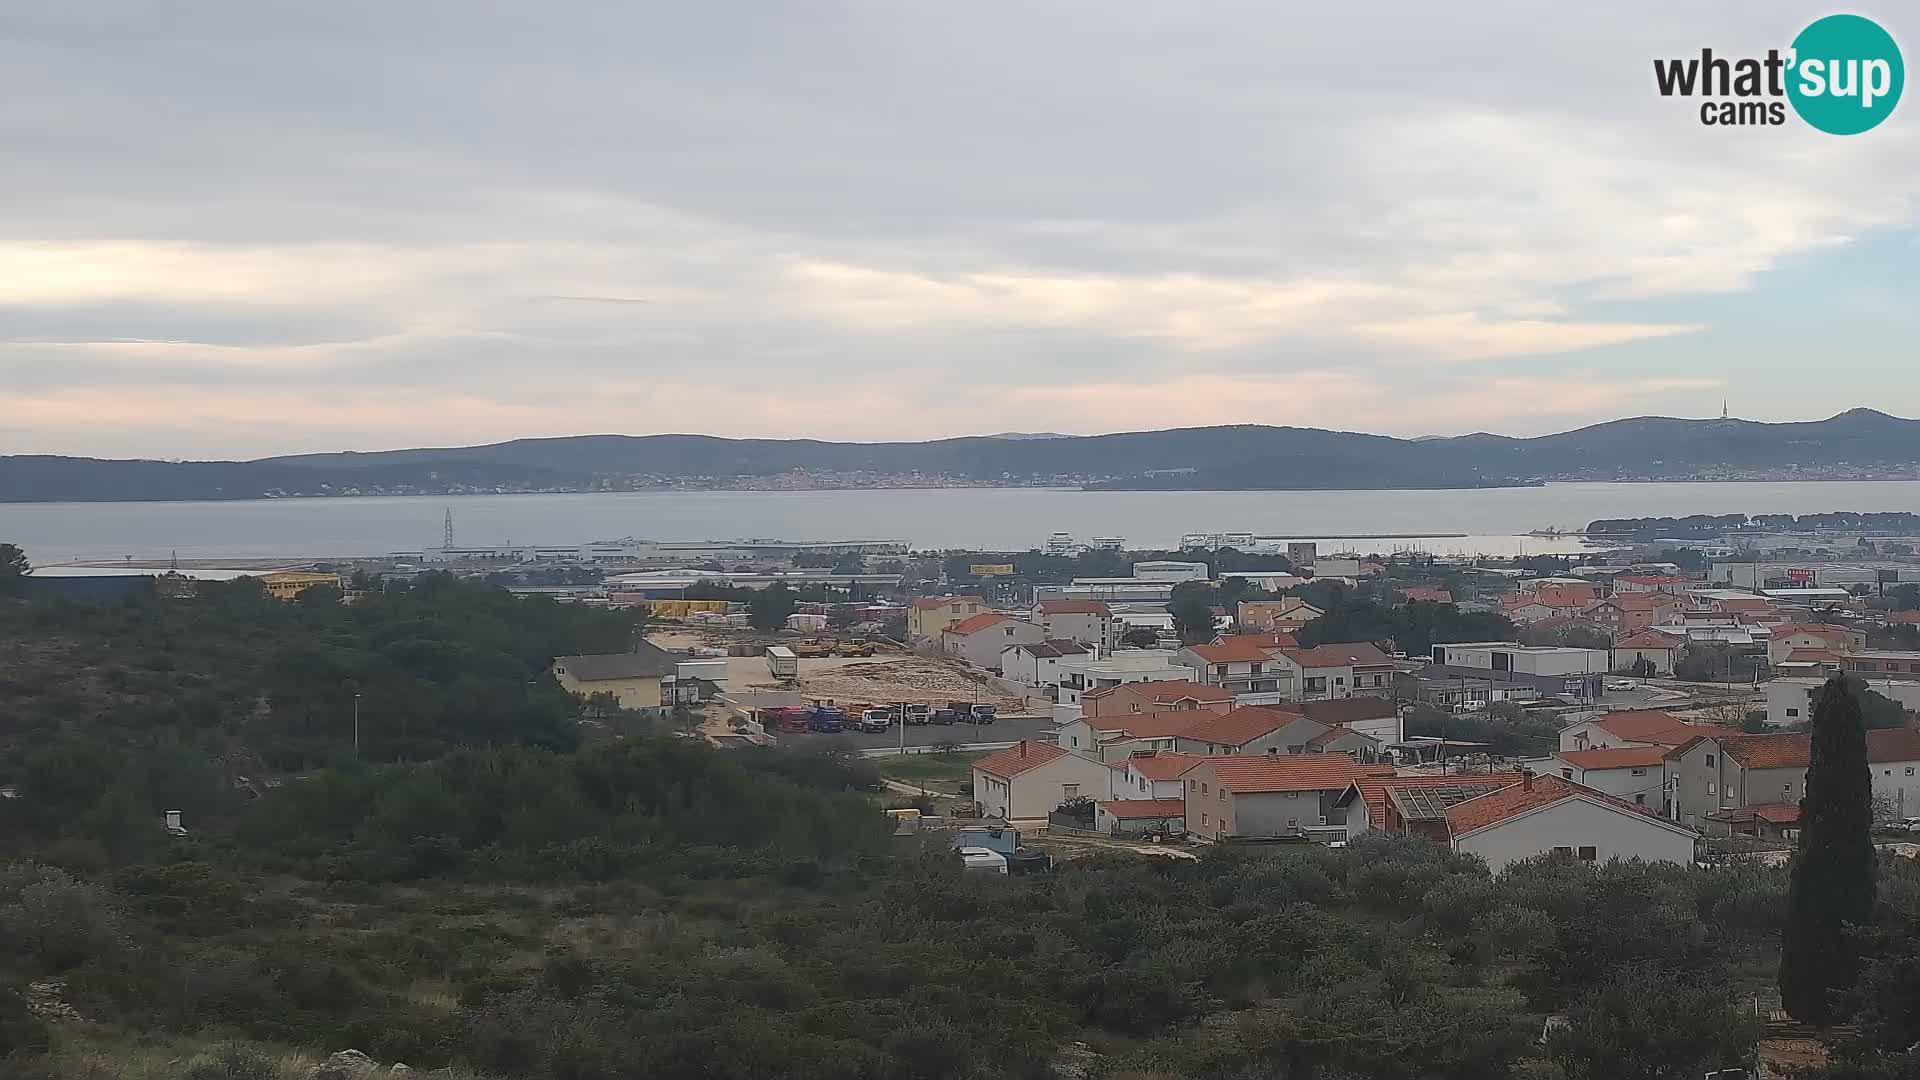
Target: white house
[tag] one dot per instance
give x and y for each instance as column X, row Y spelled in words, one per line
column 1634, row 727
column 1653, row 646
column 1337, row 670
column 1089, row 622
column 1790, row 700
column 1038, row 665
column 1243, row 664
column 1151, row 774
column 1080, row 675
column 1525, row 659
column 1029, row 779
column 1636, row 774
column 1542, row 814
column 981, row 639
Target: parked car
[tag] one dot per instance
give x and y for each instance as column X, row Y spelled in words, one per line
column 1470, row 707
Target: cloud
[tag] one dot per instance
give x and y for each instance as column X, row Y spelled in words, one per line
column 456, row 222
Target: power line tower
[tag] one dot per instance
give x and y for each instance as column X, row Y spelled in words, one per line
column 446, row 534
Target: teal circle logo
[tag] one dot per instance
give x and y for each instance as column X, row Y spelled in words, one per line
column 1846, row 74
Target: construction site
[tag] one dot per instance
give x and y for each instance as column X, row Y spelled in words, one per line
column 891, row 675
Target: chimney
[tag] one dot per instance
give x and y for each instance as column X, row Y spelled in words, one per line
column 1526, row 780
column 1023, row 748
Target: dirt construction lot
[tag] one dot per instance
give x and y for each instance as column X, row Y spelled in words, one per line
column 880, row 679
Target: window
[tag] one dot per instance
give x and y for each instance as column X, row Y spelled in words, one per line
column 1293, row 823
column 1637, row 772
column 1223, row 794
column 1255, row 669
column 1589, row 854
column 1276, row 750
column 1640, row 800
column 1793, row 712
column 1339, row 680
column 1069, row 791
column 1563, row 851
column 1709, row 761
column 1568, row 773
column 1073, row 740
column 1710, row 790
column 1203, row 819
column 1136, row 706
column 1203, row 789
column 1909, row 770
column 1192, row 785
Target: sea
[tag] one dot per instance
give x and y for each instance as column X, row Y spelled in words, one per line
column 1491, row 521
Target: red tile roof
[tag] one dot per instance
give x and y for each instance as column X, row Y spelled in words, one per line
column 1654, row 726
column 1513, row 800
column 1893, row 744
column 1072, row 607
column 1812, row 656
column 1338, row 654
column 1334, row 735
column 1896, row 618
column 1023, row 756
column 1257, row 773
column 1337, row 711
column 1241, row 726
column 1625, row 757
column 1145, row 809
column 1793, row 750
column 973, row 624
column 926, row 602
column 1427, row 594
column 1151, row 725
column 1777, row 813
column 1373, row 789
column 1161, row 691
column 1159, row 764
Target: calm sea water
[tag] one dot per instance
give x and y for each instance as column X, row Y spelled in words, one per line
column 1494, row 520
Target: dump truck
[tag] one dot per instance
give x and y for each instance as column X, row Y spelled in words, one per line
column 812, row 650
column 854, row 648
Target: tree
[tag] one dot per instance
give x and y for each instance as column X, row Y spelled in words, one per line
column 1192, row 611
column 1644, row 668
column 13, row 570
column 768, row 609
column 1140, row 637
column 1832, row 886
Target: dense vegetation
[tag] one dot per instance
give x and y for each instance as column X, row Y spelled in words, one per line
column 525, row 906
column 258, row 685
column 655, row 909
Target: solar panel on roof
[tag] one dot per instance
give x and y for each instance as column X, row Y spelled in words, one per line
column 1429, row 802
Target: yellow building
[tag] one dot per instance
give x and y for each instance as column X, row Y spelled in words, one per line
column 287, row 584
column 930, row 616
column 632, row 678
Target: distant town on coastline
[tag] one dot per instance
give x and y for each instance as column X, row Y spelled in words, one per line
column 1860, row 444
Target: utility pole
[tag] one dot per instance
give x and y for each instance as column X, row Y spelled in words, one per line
column 356, row 725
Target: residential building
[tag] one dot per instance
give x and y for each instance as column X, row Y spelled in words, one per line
column 1257, row 615
column 633, row 678
column 1337, row 566
column 1739, row 771
column 1151, row 774
column 1156, row 696
column 1082, row 674
column 1881, row 664
column 1636, row 774
column 1424, row 594
column 1634, row 727
column 1029, row 779
column 1338, row 670
column 1242, row 664
column 1790, row 699
column 1113, row 738
column 1823, row 636
column 1089, row 622
column 1525, row 659
column 1652, row 646
column 1261, row 796
column 1412, row 805
column 1141, row 817
column 981, row 639
column 1038, row 665
column 1546, row 814
column 1451, row 687
column 287, row 584
column 928, row 616
column 1358, row 745
column 1376, row 717
column 1249, row 730
column 1671, row 584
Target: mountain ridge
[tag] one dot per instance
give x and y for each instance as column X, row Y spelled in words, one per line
column 1857, row 443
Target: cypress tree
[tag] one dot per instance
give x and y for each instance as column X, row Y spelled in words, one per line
column 1833, row 866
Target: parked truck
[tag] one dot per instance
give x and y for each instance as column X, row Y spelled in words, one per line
column 781, row 663
column 812, row 650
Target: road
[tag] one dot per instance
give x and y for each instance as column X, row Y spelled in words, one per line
column 1007, row 729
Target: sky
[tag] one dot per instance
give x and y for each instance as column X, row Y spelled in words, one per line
column 234, row 229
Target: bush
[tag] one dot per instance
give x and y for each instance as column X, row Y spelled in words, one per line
column 52, row 921
column 232, row 1062
column 22, row 1034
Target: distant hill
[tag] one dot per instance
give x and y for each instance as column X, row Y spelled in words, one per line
column 1857, row 443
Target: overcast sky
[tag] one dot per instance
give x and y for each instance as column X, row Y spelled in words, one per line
column 234, row 228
